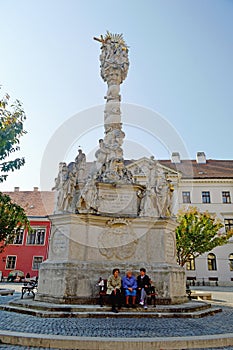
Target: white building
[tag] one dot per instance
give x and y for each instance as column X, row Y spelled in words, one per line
column 208, row 185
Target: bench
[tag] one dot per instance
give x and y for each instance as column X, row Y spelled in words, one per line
column 188, row 292
column 29, row 287
column 102, row 284
column 151, row 295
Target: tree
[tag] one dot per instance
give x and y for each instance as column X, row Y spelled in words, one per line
column 11, row 129
column 12, row 216
column 198, row 233
column 12, row 219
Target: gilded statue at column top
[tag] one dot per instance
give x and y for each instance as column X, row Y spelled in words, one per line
column 114, row 58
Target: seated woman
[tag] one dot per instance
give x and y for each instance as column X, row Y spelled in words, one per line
column 114, row 289
column 129, row 284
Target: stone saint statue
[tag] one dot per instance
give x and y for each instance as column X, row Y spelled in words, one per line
column 80, row 162
column 59, row 187
column 87, row 202
column 156, row 201
column 65, row 185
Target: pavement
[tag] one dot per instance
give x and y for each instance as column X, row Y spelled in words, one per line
column 122, row 328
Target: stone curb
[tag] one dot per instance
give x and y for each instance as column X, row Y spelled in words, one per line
column 195, row 309
column 100, row 343
column 4, row 291
column 124, row 314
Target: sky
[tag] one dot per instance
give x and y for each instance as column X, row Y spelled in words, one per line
column 178, row 94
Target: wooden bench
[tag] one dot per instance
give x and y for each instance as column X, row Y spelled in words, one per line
column 29, row 288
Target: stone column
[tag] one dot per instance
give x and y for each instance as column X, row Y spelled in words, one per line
column 114, row 68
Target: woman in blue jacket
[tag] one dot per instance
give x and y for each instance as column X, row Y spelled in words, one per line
column 129, row 284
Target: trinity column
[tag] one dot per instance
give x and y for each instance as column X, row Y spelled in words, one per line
column 103, row 218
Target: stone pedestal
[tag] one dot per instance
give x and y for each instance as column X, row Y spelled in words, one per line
column 85, row 247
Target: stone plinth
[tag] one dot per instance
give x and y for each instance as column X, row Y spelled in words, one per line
column 85, row 247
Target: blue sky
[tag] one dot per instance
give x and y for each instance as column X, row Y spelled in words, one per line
column 181, row 55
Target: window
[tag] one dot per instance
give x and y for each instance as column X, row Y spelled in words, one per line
column 212, row 265
column 228, row 224
column 226, row 197
column 213, row 279
column 186, row 197
column 36, row 237
column 19, row 237
column 190, row 264
column 231, row 262
column 37, row 260
column 11, row 262
column 206, row 197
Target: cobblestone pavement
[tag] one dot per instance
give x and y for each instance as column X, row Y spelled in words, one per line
column 123, row 327
column 15, row 347
column 113, row 327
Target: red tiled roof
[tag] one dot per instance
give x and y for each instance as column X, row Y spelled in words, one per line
column 212, row 169
column 35, row 203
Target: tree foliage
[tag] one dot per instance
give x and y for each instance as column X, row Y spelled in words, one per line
column 12, row 216
column 198, row 233
column 11, row 129
column 12, row 219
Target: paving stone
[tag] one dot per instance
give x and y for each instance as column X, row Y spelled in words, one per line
column 17, row 347
column 115, row 327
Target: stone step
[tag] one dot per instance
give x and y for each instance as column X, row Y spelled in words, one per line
column 193, row 310
column 201, row 295
column 30, row 303
column 222, row 341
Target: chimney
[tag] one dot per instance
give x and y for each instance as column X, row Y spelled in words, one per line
column 201, row 158
column 175, row 157
column 35, row 189
column 16, row 189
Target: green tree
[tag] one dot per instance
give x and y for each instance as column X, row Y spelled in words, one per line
column 11, row 129
column 12, row 216
column 198, row 233
column 12, row 219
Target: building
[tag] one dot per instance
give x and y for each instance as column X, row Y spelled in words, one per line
column 208, row 185
column 29, row 250
column 204, row 183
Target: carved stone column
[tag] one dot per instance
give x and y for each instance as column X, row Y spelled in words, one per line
column 114, row 68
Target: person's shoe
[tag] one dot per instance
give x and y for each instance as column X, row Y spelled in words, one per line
column 134, row 306
column 145, row 307
column 141, row 302
column 127, row 306
column 115, row 310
